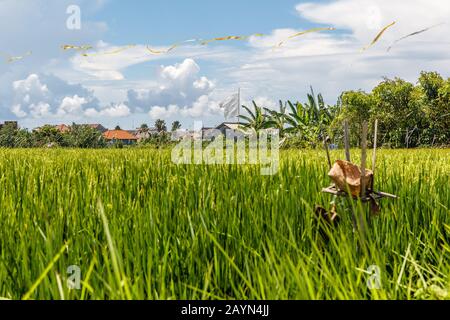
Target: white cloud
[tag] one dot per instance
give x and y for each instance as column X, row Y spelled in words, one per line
column 181, row 72
column 113, row 111
column 17, row 110
column 157, row 112
column 179, row 85
column 203, row 84
column 201, row 108
column 40, row 110
column 31, row 86
column 364, row 18
column 41, row 96
column 48, row 97
column 107, row 61
column 72, row 105
column 265, row 102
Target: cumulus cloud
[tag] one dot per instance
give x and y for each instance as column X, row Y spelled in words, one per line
column 158, row 112
column 17, row 111
column 179, row 84
column 181, row 90
column 202, row 107
column 71, row 105
column 39, row 110
column 113, row 111
column 44, row 96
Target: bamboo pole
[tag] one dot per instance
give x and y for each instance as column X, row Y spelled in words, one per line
column 374, row 156
column 363, row 158
column 362, row 223
column 325, row 143
column 347, row 141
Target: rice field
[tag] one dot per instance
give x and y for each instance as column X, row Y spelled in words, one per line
column 140, row 227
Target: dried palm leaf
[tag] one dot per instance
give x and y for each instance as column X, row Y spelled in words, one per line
column 413, row 34
column 226, row 38
column 378, row 36
column 347, row 177
column 12, row 59
column 76, row 48
column 117, row 51
column 303, row 33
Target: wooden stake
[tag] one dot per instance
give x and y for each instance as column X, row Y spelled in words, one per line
column 325, row 143
column 347, row 141
column 363, row 158
column 374, row 156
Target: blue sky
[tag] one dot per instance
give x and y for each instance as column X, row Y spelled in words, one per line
column 160, row 22
column 188, row 84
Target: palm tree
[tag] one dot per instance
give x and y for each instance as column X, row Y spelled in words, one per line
column 160, row 126
column 256, row 120
column 176, row 125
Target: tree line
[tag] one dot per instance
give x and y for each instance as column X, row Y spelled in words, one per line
column 410, row 115
column 79, row 136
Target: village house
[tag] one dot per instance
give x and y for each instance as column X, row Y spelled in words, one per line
column 144, row 133
column 209, row 134
column 98, row 127
column 63, row 128
column 125, row 137
column 234, row 130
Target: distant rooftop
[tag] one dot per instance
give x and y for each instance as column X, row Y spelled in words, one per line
column 119, row 135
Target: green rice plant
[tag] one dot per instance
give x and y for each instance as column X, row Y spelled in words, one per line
column 141, row 227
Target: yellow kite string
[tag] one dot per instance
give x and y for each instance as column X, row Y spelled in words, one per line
column 303, row 33
column 84, row 48
column 378, row 36
column 76, row 48
column 153, row 51
column 176, row 45
column 202, row 42
column 11, row 59
column 413, row 34
column 231, row 38
column 119, row 50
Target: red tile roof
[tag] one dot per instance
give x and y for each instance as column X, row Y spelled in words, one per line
column 63, row 128
column 118, row 135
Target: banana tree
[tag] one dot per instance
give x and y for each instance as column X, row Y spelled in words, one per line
column 256, row 120
column 299, row 120
column 277, row 119
column 320, row 113
column 311, row 120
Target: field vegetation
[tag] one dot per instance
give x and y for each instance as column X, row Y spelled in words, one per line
column 141, row 227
